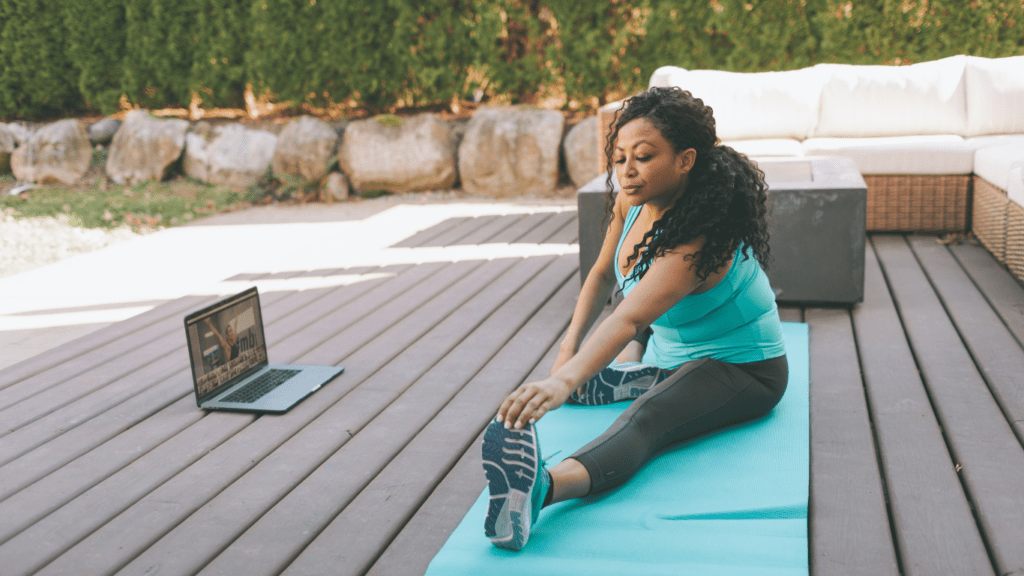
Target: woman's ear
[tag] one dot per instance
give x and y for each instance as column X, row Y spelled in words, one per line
column 685, row 160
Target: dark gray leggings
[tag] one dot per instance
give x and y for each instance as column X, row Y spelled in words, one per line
column 699, row 397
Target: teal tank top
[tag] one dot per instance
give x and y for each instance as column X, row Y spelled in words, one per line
column 737, row 321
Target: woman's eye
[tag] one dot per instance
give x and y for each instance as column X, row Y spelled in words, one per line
column 642, row 158
column 619, row 160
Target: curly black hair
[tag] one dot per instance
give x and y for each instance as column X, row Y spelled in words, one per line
column 725, row 200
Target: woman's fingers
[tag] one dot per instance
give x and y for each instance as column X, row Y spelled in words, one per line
column 528, row 413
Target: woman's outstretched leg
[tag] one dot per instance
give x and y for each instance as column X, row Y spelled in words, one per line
column 699, row 397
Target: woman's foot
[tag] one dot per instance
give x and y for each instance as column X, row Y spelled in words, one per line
column 618, row 382
column 517, row 481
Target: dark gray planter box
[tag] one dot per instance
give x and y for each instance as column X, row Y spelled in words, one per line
column 817, row 210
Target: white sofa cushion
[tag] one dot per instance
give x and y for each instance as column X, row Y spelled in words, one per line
column 785, row 147
column 995, row 95
column 864, row 101
column 979, row 142
column 932, row 154
column 753, row 105
column 995, row 163
column 1015, row 187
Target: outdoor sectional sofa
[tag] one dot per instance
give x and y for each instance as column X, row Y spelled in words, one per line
column 923, row 136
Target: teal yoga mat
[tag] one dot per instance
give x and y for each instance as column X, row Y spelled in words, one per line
column 733, row 502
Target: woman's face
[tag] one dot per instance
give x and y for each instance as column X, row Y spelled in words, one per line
column 648, row 170
column 230, row 334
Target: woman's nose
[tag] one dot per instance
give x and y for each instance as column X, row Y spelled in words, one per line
column 630, row 167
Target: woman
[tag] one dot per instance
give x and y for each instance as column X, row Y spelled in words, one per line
column 686, row 237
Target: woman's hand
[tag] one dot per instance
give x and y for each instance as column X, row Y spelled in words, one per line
column 532, row 400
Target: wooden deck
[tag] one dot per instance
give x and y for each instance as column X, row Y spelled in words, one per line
column 107, row 465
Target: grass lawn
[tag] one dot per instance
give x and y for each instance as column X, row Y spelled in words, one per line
column 97, row 202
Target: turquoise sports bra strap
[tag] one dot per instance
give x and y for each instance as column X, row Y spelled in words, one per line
column 631, row 217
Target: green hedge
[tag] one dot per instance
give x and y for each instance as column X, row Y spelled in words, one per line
column 90, row 55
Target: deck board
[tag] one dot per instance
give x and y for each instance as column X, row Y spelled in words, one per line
column 106, row 464
column 849, row 522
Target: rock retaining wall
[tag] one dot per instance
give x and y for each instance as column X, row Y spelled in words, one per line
column 500, row 152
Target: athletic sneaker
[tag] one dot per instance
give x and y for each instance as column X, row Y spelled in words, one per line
column 625, row 381
column 517, row 481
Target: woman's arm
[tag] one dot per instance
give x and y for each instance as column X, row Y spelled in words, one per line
column 595, row 292
column 669, row 279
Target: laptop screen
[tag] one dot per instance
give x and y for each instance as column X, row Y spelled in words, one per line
column 225, row 341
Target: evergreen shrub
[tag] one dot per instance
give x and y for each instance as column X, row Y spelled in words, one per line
column 92, row 54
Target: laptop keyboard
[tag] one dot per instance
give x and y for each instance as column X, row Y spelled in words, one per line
column 260, row 387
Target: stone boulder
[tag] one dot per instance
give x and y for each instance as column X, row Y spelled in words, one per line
column 145, row 147
column 336, row 185
column 8, row 143
column 511, row 151
column 305, row 148
column 102, row 132
column 229, row 155
column 58, row 152
column 579, row 148
column 399, row 154
column 21, row 133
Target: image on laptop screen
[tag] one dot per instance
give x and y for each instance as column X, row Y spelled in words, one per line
column 226, row 342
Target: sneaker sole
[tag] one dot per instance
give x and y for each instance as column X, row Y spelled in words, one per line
column 511, row 466
column 614, row 385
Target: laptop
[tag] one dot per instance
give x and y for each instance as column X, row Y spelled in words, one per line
column 228, row 354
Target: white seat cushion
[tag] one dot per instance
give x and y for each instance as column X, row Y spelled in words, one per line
column 995, row 163
column 767, row 147
column 935, row 154
column 1015, row 187
column 753, row 105
column 979, row 142
column 995, row 95
column 866, row 101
